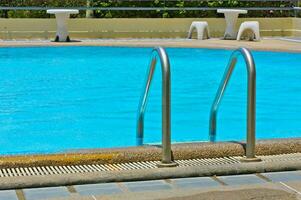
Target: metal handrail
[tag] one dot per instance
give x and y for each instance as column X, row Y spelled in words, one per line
column 251, row 100
column 160, row 53
column 33, row 8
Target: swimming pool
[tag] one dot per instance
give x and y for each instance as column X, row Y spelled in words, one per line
column 54, row 99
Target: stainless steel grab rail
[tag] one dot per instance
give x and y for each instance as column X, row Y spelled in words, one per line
column 251, row 100
column 166, row 110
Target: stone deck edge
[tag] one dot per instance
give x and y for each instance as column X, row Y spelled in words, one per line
column 180, row 151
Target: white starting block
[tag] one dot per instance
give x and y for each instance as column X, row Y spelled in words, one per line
column 252, row 26
column 61, row 16
column 202, row 29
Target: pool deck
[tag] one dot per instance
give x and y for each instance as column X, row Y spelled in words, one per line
column 268, row 186
column 266, row 44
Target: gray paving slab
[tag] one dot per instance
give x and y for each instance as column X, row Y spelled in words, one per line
column 141, row 186
column 294, row 185
column 265, row 191
column 45, row 193
column 241, row 179
column 198, row 182
column 98, row 189
column 8, row 195
column 283, row 176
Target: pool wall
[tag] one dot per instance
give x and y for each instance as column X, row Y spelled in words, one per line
column 137, row 28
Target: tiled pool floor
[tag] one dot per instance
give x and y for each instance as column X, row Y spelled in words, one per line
column 276, row 185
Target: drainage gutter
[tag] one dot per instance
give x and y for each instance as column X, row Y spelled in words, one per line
column 269, row 164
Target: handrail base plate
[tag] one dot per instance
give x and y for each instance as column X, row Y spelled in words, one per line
column 172, row 164
column 246, row 160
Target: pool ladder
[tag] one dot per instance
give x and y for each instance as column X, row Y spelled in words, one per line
column 251, row 101
column 160, row 53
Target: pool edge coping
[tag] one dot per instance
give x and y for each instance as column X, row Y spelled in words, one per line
column 181, row 151
column 266, row 44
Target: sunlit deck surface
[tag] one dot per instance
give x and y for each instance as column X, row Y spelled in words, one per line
column 267, row 44
column 268, row 186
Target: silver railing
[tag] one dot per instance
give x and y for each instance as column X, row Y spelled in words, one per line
column 158, row 53
column 164, row 6
column 37, row 8
column 251, row 100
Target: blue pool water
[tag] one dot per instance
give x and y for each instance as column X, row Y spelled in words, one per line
column 63, row 98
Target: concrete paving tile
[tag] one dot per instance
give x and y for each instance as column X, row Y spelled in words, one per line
column 241, row 179
column 283, row 176
column 294, row 185
column 195, row 182
column 98, row 189
column 140, row 186
column 45, row 193
column 266, row 191
column 8, row 195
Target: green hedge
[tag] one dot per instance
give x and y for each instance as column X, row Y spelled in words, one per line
column 138, row 3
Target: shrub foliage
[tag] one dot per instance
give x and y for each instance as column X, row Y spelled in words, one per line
column 181, row 13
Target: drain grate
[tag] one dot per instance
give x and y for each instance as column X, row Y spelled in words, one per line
column 50, row 170
column 71, row 169
column 282, row 157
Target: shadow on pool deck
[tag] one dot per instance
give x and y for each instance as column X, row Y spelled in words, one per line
column 244, row 194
